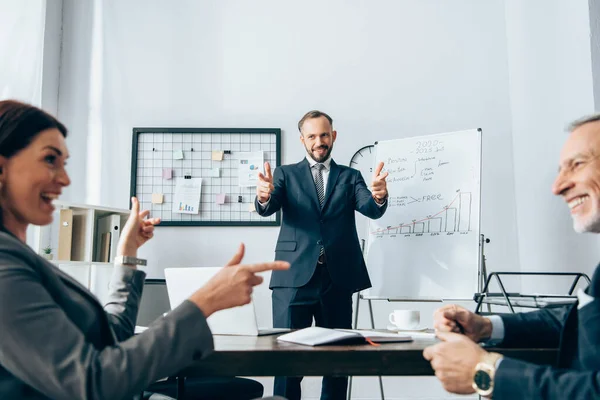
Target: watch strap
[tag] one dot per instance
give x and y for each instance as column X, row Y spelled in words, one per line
column 128, row 260
column 488, row 365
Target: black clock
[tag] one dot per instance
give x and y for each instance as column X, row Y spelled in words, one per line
column 362, row 160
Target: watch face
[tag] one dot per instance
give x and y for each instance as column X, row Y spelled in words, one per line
column 482, row 380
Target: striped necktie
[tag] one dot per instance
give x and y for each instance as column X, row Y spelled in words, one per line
column 318, row 176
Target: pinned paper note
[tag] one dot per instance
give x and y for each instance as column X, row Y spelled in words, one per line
column 157, row 198
column 217, row 155
column 251, row 207
column 249, row 166
column 186, row 199
column 220, row 198
column 215, row 172
column 178, row 155
column 167, row 173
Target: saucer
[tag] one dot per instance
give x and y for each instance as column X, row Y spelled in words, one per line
column 394, row 328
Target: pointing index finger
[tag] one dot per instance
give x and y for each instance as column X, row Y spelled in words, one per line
column 275, row 266
column 268, row 170
column 378, row 169
column 135, row 206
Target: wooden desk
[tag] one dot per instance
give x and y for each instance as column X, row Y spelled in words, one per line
column 264, row 356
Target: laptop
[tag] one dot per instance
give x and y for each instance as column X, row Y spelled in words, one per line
column 182, row 282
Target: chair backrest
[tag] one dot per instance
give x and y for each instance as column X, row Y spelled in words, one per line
column 154, row 303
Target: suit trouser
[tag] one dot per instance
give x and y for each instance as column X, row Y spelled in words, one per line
column 331, row 307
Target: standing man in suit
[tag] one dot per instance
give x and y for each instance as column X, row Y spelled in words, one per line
column 318, row 238
column 464, row 367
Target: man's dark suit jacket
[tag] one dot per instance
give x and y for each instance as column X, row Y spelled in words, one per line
column 305, row 227
column 577, row 335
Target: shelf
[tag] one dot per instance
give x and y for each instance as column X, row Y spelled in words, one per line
column 76, row 233
column 532, row 302
column 95, row 276
column 535, row 300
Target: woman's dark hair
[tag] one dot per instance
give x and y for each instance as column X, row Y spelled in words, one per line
column 20, row 123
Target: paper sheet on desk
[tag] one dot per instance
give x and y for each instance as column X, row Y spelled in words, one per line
column 419, row 335
column 139, row 329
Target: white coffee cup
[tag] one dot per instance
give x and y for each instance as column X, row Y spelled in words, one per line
column 405, row 319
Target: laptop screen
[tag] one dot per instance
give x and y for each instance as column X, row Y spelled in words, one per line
column 154, row 302
column 183, row 282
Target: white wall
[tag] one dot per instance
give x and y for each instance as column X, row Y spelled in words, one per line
column 235, row 64
column 382, row 69
column 550, row 85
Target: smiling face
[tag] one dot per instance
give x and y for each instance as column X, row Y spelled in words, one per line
column 578, row 180
column 318, row 137
column 31, row 179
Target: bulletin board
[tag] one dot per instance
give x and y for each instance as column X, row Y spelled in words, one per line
column 166, row 160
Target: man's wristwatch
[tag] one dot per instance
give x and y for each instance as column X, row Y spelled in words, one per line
column 127, row 260
column 483, row 379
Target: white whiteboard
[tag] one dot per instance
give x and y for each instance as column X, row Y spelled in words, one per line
column 426, row 246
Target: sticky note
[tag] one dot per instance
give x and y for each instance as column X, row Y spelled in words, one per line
column 157, row 198
column 217, row 155
column 178, row 155
column 220, row 198
column 167, row 173
column 251, row 207
column 215, row 172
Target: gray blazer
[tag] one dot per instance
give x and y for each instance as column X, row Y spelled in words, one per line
column 57, row 342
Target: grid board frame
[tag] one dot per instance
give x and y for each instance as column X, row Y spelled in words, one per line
column 152, row 151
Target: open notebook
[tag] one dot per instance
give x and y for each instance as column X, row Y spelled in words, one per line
column 316, row 336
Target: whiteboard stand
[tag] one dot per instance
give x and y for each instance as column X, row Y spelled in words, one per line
column 482, row 268
column 482, row 274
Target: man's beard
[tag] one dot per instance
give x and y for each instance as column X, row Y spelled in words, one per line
column 322, row 158
column 591, row 224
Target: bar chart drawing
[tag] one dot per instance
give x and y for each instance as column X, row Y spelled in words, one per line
column 455, row 217
column 426, row 244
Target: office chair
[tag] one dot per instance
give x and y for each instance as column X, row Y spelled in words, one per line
column 154, row 303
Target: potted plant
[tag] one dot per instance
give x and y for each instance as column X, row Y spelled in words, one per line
column 47, row 253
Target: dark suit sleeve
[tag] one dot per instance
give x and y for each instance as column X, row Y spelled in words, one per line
column 534, row 329
column 516, row 379
column 41, row 346
column 365, row 203
column 278, row 196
